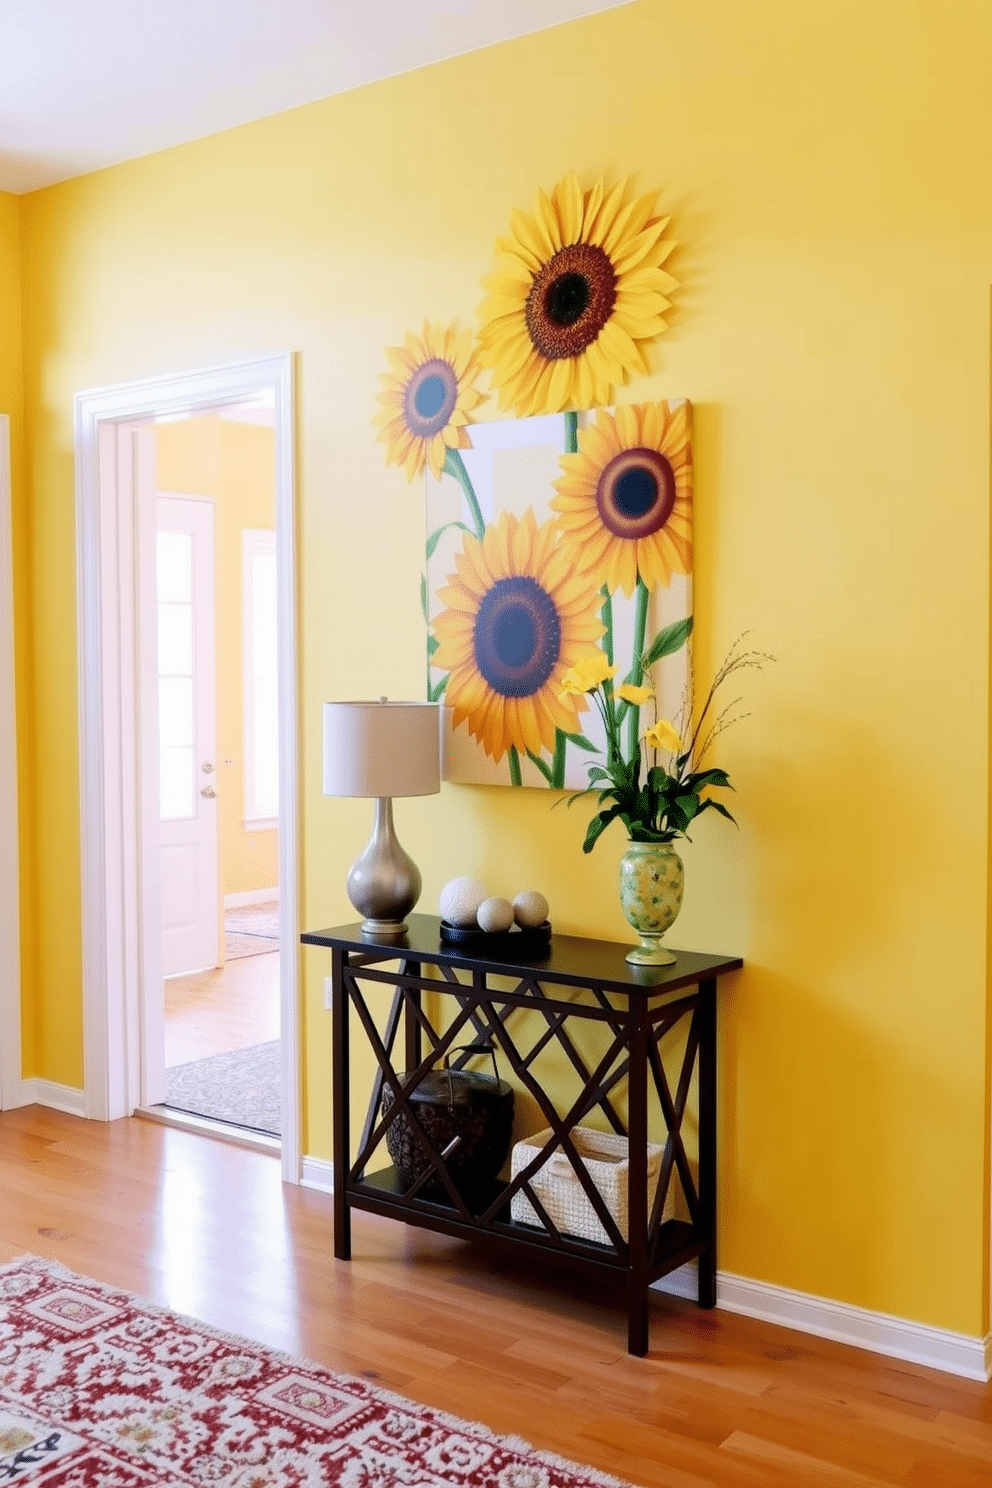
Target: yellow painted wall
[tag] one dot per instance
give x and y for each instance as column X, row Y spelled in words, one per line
column 233, row 463
column 827, row 167
column 12, row 404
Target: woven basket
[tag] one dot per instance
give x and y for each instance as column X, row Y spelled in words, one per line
column 562, row 1195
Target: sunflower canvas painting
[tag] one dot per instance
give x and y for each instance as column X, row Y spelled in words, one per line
column 551, row 539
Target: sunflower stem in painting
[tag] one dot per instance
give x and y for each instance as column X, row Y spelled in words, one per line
column 558, row 761
column 607, row 614
column 513, row 760
column 636, row 663
column 455, row 465
column 557, row 772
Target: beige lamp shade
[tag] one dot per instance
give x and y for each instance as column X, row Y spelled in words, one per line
column 381, row 748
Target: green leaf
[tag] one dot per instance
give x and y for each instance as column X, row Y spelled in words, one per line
column 541, row 765
column 709, row 777
column 423, row 595
column 436, row 537
column 437, row 691
column 432, row 644
column 669, row 640
column 581, row 742
column 595, row 829
column 710, row 805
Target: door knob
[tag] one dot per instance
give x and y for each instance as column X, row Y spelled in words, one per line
column 207, row 767
column 208, row 791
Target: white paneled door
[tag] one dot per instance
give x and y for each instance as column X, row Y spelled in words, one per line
column 184, row 596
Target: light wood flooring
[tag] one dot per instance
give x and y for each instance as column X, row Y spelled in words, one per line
column 209, row 1229
column 235, row 1006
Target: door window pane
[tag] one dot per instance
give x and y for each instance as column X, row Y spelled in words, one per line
column 177, row 783
column 175, row 640
column 175, row 712
column 174, row 566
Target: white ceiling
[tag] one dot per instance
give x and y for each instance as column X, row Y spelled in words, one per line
column 88, row 83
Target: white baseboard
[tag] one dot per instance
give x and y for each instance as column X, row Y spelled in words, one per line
column 317, row 1172
column 47, row 1093
column 251, row 896
column 915, row 1343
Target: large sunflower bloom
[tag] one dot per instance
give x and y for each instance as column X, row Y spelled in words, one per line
column 427, row 398
column 517, row 618
column 578, row 293
column 624, row 503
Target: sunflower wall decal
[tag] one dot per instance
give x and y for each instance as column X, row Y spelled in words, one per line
column 426, row 399
column 577, row 294
column 559, row 537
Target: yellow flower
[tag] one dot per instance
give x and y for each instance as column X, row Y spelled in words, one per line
column 427, row 398
column 663, row 735
column 624, row 501
column 586, row 675
column 636, row 695
column 578, row 293
column 517, row 618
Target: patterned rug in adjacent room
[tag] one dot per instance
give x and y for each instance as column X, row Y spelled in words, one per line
column 241, row 1088
column 99, row 1389
column 251, row 929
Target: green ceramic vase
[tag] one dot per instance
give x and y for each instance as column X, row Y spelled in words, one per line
column 651, row 882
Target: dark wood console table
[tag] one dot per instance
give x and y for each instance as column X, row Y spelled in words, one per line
column 623, row 1086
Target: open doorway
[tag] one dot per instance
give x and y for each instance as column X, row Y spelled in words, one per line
column 213, row 719
column 121, row 890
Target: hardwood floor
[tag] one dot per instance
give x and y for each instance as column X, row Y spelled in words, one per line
column 209, row 1229
column 214, row 1012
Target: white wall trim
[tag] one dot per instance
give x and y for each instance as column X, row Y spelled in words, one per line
column 108, row 820
column 318, row 1173
column 10, row 913
column 55, row 1097
column 916, row 1343
column 251, row 896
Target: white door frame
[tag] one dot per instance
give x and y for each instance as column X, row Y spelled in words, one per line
column 10, row 914
column 109, row 729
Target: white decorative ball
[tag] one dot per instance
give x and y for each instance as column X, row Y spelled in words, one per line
column 530, row 909
column 460, row 900
column 494, row 915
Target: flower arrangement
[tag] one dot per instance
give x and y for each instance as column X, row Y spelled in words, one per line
column 659, row 803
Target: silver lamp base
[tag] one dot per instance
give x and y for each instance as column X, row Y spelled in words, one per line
column 384, row 883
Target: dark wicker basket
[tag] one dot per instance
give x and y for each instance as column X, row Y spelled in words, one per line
column 466, row 1116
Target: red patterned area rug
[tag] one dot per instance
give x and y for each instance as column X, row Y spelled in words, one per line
column 99, row 1389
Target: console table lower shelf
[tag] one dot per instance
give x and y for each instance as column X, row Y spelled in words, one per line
column 416, row 1003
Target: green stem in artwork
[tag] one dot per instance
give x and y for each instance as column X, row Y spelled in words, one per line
column 637, row 657
column 607, row 614
column 455, row 465
column 514, row 762
column 558, row 760
column 571, row 432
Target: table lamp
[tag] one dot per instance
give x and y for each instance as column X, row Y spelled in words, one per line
column 380, row 750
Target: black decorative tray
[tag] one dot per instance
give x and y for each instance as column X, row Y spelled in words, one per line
column 534, row 941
